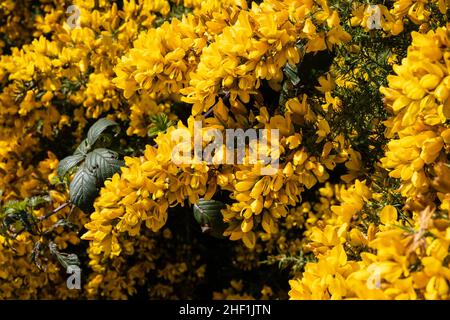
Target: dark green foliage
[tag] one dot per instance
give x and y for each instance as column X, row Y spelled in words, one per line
column 160, row 123
column 91, row 164
column 208, row 215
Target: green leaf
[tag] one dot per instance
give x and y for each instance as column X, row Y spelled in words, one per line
column 160, row 123
column 65, row 259
column 37, row 201
column 83, row 148
column 292, row 74
column 16, row 218
column 68, row 163
column 103, row 163
column 208, row 215
column 83, row 189
column 13, row 206
column 98, row 128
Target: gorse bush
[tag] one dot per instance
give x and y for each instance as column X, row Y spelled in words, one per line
column 357, row 207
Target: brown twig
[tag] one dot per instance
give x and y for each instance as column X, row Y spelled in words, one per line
column 48, row 215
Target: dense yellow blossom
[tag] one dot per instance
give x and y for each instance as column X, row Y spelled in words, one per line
column 356, row 205
column 418, row 97
column 266, row 37
column 398, row 258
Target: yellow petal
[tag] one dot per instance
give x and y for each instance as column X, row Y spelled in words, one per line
column 388, row 215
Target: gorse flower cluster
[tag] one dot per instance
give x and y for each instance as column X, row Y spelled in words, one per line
column 357, row 206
